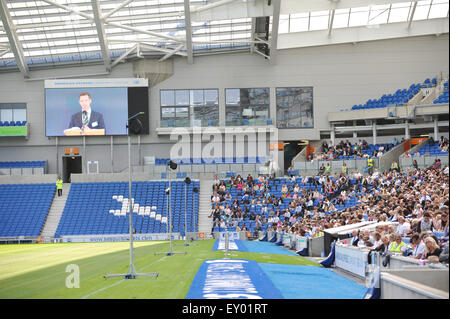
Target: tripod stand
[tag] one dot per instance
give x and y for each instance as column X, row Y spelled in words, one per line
column 131, row 269
column 173, row 166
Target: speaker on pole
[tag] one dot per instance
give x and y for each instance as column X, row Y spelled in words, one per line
column 173, row 166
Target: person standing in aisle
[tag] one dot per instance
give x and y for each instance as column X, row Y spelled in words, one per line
column 59, row 185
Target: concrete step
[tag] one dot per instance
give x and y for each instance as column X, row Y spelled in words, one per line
column 205, row 223
column 55, row 212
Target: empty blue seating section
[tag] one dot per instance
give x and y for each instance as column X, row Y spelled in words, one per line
column 13, row 123
column 24, row 208
column 432, row 150
column 399, row 98
column 98, row 208
column 213, row 160
column 22, row 164
column 443, row 98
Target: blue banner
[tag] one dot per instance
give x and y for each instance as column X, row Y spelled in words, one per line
column 235, row 245
column 232, row 279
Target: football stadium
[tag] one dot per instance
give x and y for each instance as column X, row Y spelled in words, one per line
column 192, row 150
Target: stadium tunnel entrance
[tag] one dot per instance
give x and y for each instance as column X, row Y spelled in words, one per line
column 71, row 164
column 291, row 149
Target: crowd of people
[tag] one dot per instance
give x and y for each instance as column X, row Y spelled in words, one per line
column 361, row 149
column 415, row 200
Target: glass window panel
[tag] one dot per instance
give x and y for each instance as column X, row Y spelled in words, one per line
column 284, row 24
column 294, row 107
column 212, row 97
column 379, row 14
column 318, row 23
column 6, row 115
column 234, row 115
column 341, row 18
column 167, row 112
column 208, row 115
column 19, row 114
column 197, row 97
column 438, row 10
column 232, row 96
column 167, row 97
column 248, row 107
column 359, row 16
column 399, row 13
column 182, row 112
column 298, row 24
column 182, row 97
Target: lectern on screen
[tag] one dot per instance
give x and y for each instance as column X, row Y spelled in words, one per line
column 86, row 107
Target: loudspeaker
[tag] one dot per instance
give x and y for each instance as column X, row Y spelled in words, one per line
column 173, row 165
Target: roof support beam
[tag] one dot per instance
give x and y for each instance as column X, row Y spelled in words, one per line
column 188, row 27
column 330, row 24
column 169, row 54
column 101, row 33
column 296, row 6
column 360, row 34
column 411, row 15
column 2, row 53
column 110, row 13
column 155, row 48
column 14, row 43
column 274, row 35
column 252, row 36
column 118, row 25
column 123, row 56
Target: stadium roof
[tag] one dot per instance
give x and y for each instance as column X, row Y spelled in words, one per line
column 47, row 33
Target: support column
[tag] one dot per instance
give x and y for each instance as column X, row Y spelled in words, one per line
column 332, row 134
column 407, row 134
column 436, row 128
column 355, row 134
column 57, row 159
column 83, row 163
column 112, row 154
column 374, row 132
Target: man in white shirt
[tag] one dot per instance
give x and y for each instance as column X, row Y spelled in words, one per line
column 403, row 226
column 418, row 250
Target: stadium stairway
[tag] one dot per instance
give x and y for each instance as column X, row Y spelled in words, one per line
column 204, row 210
column 55, row 213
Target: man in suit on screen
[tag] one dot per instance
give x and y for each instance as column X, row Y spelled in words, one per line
column 86, row 119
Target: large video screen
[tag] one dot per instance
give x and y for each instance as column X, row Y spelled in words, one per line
column 94, row 106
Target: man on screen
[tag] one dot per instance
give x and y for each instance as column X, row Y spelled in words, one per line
column 86, row 120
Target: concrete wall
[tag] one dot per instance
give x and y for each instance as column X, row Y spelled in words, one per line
column 414, row 284
column 342, row 75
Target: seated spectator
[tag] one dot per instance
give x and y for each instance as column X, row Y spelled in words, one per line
column 431, row 248
column 426, row 223
column 398, row 246
column 443, row 257
column 418, row 247
column 403, row 226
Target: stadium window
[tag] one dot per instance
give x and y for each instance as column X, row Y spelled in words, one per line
column 13, row 112
column 247, row 106
column 295, row 107
column 186, row 108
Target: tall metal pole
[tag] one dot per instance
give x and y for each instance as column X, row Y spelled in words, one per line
column 131, row 270
column 185, row 214
column 172, row 165
column 170, row 211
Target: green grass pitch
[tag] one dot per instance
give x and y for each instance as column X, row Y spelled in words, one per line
column 38, row 271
